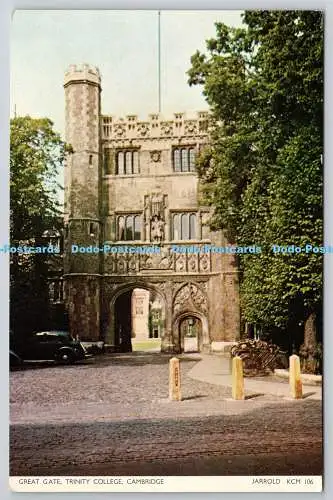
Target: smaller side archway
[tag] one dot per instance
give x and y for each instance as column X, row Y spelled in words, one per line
column 191, row 332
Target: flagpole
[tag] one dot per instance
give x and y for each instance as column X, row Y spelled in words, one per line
column 159, row 60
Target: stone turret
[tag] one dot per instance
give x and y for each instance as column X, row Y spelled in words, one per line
column 83, row 108
column 82, row 197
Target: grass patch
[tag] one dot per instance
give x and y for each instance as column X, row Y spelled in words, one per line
column 146, row 345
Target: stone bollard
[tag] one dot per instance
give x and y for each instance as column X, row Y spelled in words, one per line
column 237, row 379
column 295, row 381
column 174, row 380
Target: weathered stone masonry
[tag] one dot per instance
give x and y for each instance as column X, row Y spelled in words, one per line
column 131, row 182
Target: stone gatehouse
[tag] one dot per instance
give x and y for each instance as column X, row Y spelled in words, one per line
column 132, row 185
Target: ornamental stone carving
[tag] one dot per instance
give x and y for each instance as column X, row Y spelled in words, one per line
column 155, row 156
column 166, row 263
column 190, row 296
column 133, row 264
column 119, row 129
column 121, row 265
column 180, row 265
column 205, row 263
column 190, row 127
column 109, row 289
column 182, row 297
column 129, row 127
column 167, row 128
column 199, row 298
column 203, row 285
column 158, row 261
column 161, row 286
column 143, row 129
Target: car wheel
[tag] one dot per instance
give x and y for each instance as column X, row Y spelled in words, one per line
column 65, row 357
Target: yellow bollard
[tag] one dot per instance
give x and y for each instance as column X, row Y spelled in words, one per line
column 237, row 378
column 295, row 381
column 174, row 380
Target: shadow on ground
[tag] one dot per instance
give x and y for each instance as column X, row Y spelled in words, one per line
column 279, row 440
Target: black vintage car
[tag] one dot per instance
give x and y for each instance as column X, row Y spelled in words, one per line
column 58, row 346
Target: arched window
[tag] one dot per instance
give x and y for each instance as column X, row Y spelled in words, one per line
column 120, row 163
column 176, row 227
column 137, row 227
column 92, row 229
column 129, row 228
column 176, row 160
column 121, row 228
column 192, row 159
column 185, row 227
column 193, row 231
column 128, row 163
column 184, row 160
column 135, row 162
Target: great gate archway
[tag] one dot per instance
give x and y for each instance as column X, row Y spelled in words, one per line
column 119, row 331
column 178, row 300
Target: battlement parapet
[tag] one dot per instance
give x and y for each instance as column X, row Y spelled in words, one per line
column 82, row 73
column 155, row 125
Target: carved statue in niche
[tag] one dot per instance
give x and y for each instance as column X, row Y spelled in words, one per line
column 155, row 205
column 157, row 229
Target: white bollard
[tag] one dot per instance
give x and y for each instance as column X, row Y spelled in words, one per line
column 174, row 380
column 295, row 381
column 237, row 379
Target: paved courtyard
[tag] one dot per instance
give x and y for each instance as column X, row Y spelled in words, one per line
column 112, row 416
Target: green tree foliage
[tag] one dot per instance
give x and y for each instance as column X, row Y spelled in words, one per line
column 262, row 172
column 36, row 154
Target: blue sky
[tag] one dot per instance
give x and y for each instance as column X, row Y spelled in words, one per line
column 123, row 44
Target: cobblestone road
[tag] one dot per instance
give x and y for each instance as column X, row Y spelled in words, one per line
column 111, row 416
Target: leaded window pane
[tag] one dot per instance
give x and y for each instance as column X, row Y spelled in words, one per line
column 121, row 228
column 184, row 160
column 128, row 163
column 185, row 233
column 120, row 161
column 135, row 162
column 176, row 227
column 192, row 159
column 129, row 229
column 176, row 160
column 137, row 227
column 192, row 227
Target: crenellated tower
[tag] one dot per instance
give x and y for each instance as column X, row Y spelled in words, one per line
column 83, row 225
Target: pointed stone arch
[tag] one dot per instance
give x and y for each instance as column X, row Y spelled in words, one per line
column 204, row 341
